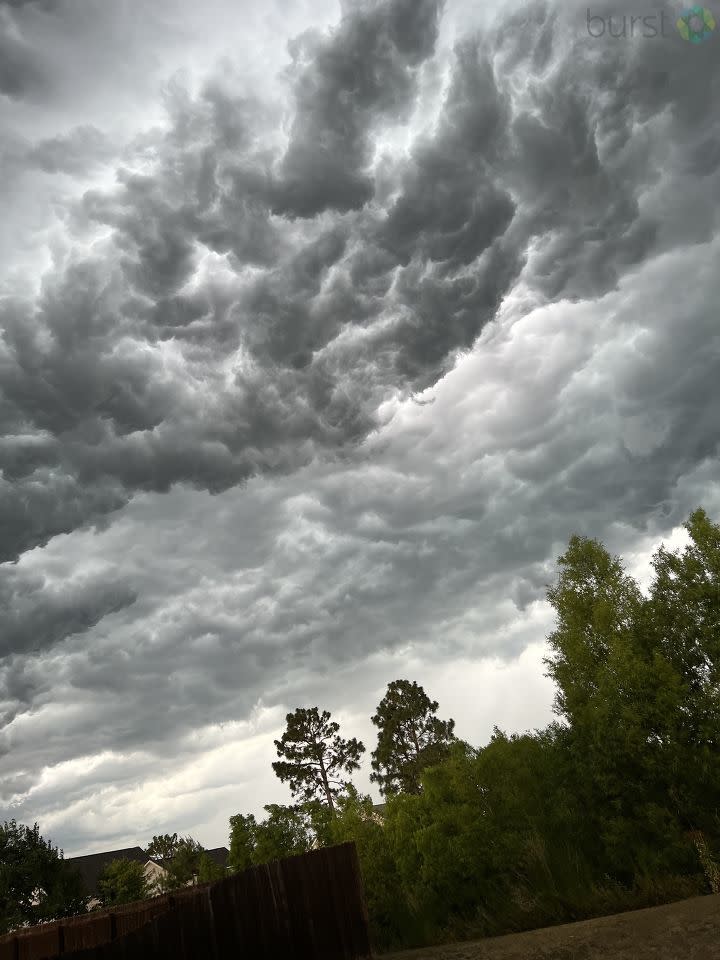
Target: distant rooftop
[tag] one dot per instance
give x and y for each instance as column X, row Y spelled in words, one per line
column 92, row 865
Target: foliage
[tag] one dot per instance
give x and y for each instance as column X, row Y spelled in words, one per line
column 242, row 842
column 391, row 919
column 285, row 832
column 163, row 847
column 36, row 884
column 615, row 806
column 682, row 632
column 410, row 738
column 637, row 683
column 710, row 867
column 179, row 857
column 315, row 756
column 209, row 870
column 123, row 881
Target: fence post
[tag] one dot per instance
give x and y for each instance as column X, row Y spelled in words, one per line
column 212, row 931
column 113, row 926
column 16, row 948
column 61, row 939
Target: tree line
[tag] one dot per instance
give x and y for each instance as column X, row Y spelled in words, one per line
column 615, row 805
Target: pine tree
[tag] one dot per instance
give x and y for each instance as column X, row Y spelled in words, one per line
column 315, row 756
column 410, row 739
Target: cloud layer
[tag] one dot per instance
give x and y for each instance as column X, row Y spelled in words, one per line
column 319, row 374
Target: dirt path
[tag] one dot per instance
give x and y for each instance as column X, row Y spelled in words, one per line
column 688, row 930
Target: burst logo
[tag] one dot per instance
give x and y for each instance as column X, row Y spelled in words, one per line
column 695, row 24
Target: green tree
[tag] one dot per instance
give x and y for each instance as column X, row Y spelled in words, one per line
column 209, row 870
column 36, row 884
column 243, row 837
column 315, row 756
column 621, row 697
column 410, row 738
column 355, row 820
column 179, row 857
column 597, row 607
column 285, row 832
column 123, row 881
column 163, row 847
column 682, row 633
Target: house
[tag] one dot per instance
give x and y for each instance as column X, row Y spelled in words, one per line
column 92, row 865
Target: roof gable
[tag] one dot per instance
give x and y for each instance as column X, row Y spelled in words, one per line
column 92, row 865
column 219, row 855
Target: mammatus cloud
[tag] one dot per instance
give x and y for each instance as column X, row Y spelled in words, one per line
column 345, row 84
column 103, row 374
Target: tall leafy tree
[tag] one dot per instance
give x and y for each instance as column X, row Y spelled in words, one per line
column 285, row 832
column 411, row 738
column 618, row 693
column 209, row 870
column 357, row 821
column 682, row 630
column 179, row 857
column 163, row 846
column 596, row 606
column 123, row 881
column 243, row 838
column 315, row 756
column 36, row 884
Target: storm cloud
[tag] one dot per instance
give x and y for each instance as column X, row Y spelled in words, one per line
column 217, row 496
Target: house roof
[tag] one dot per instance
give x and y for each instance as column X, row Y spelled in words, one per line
column 219, row 855
column 92, row 865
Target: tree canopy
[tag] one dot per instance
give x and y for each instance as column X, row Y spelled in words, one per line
column 315, row 756
column 36, row 884
column 410, row 738
column 209, row 870
column 179, row 857
column 123, row 881
column 615, row 805
column 243, row 833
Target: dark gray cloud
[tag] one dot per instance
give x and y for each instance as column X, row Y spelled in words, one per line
column 552, row 173
column 345, row 84
column 429, row 519
column 41, row 4
column 73, row 153
column 491, row 182
column 37, row 616
column 21, row 72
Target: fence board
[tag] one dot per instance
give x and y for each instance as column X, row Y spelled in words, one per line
column 7, row 949
column 35, row 946
column 309, row 907
column 81, row 932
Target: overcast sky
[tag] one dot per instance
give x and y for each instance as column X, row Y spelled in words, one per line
column 324, row 326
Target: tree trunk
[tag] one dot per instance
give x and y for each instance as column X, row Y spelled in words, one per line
column 413, row 733
column 326, row 787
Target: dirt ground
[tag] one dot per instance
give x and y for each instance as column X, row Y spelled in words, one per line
column 688, row 930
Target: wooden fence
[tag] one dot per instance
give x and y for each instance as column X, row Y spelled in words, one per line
column 310, row 907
